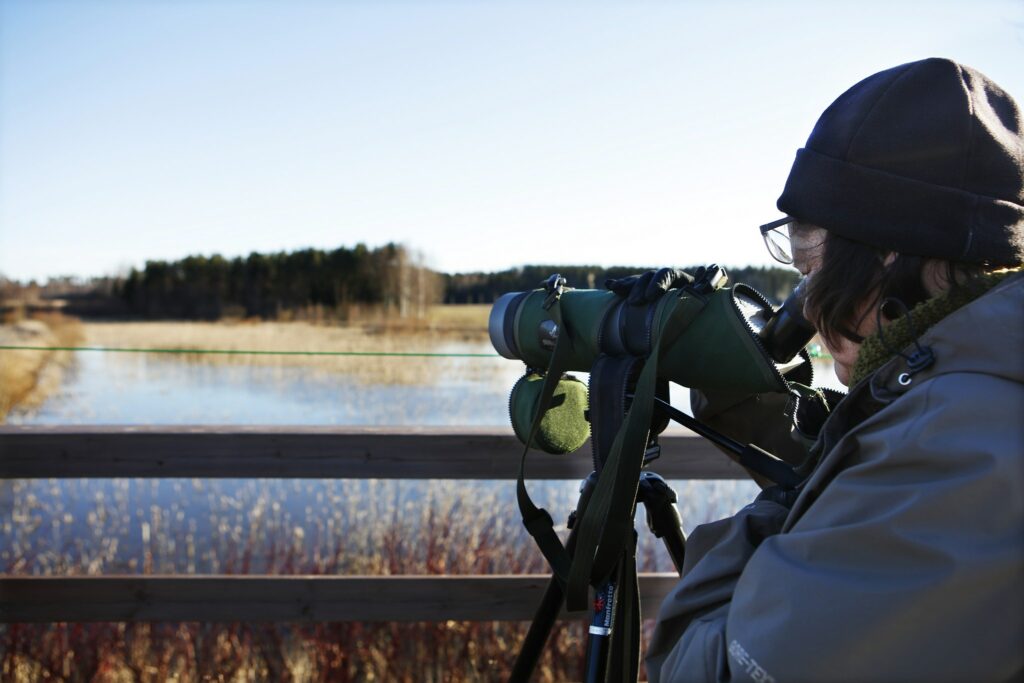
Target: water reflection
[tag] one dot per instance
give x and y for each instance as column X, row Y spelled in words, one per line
column 127, row 388
column 112, row 388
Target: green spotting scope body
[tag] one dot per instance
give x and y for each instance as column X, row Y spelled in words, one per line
column 738, row 341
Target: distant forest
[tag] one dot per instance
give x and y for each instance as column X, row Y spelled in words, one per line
column 330, row 283
column 284, row 284
column 484, row 288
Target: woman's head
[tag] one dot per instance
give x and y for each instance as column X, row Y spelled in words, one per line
column 911, row 182
column 848, row 281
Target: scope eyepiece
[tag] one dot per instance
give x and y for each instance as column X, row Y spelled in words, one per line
column 788, row 331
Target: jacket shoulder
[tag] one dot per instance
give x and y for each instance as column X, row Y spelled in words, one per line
column 953, row 424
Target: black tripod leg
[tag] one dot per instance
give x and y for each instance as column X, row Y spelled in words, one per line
column 551, row 604
column 662, row 515
column 540, row 628
column 613, row 646
column 624, row 663
column 602, row 624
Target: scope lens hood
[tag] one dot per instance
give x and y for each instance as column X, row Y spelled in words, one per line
column 501, row 324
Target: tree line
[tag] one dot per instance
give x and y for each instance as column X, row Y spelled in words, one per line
column 331, row 282
column 484, row 288
column 284, row 284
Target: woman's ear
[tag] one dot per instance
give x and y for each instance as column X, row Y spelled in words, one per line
column 889, row 258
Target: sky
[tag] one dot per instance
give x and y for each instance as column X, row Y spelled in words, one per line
column 485, row 135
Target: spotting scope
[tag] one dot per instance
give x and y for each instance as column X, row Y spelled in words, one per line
column 738, row 341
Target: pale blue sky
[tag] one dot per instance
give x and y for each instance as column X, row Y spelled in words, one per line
column 485, row 134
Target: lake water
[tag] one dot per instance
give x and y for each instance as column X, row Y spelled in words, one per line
column 188, row 526
column 131, row 388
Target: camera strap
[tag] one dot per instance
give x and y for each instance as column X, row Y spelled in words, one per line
column 538, row 521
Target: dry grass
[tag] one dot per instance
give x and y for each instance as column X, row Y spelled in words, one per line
column 346, row 527
column 469, row 320
column 465, row 316
column 330, row 527
column 322, row 653
column 449, row 332
column 27, row 378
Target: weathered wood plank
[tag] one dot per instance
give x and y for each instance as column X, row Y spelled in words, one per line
column 33, row 452
column 286, row 598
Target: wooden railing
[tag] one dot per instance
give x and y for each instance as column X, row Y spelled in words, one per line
column 298, row 452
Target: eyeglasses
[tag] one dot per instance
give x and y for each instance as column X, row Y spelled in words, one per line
column 776, row 238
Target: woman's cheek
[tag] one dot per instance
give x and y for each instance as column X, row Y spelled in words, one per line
column 844, row 355
column 842, row 373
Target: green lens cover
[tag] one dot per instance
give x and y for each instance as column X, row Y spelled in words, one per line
column 564, row 427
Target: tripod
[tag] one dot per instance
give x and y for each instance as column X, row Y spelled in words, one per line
column 607, row 659
column 605, row 621
column 613, row 644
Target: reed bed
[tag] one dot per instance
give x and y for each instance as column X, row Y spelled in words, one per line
column 289, row 527
column 28, row 378
column 446, row 331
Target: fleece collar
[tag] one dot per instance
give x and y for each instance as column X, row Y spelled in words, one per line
column 901, row 333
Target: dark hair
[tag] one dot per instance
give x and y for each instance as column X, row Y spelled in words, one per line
column 853, row 277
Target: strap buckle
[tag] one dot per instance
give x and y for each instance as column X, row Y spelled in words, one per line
column 541, row 516
column 707, row 279
column 555, row 286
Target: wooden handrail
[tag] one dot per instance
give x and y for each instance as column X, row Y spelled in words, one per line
column 300, row 452
column 286, row 598
column 316, row 452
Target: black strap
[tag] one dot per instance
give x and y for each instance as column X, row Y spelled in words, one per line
column 550, row 607
column 538, row 521
column 608, row 520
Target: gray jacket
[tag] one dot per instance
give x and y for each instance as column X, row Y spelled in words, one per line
column 902, row 559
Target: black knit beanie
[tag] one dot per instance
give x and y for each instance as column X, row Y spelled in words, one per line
column 926, row 158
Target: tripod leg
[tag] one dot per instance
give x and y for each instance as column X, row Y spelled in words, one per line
column 599, row 640
column 540, row 628
column 624, row 663
column 551, row 604
column 613, row 645
column 663, row 516
column 608, row 617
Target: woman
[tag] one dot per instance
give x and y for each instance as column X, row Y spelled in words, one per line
column 902, row 556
